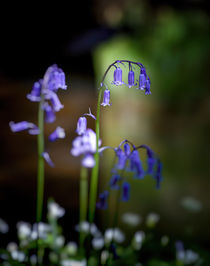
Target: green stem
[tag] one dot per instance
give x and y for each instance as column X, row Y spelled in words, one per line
column 83, row 201
column 94, row 174
column 40, row 169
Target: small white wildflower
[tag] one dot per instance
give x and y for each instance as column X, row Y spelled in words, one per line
column 132, row 219
column 71, row 248
column 73, row 263
column 104, row 256
column 55, row 210
column 191, row 204
column 98, row 243
column 33, row 259
column 190, row 256
column 152, row 219
column 59, row 241
column 83, row 227
column 18, row 255
column 43, row 228
column 4, row 228
column 24, row 230
column 138, row 240
column 114, row 234
column 12, row 246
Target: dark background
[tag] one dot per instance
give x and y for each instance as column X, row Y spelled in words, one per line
column 172, row 39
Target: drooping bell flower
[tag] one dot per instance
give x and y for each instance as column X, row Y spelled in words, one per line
column 131, row 79
column 127, row 149
column 118, row 77
column 35, row 94
column 151, row 160
column 81, row 125
column 114, row 182
column 135, row 165
column 106, row 98
column 59, row 133
column 24, row 125
column 147, row 88
column 142, row 79
column 54, row 79
column 102, row 203
column 125, row 191
column 121, row 158
column 47, row 158
column 49, row 113
column 88, row 161
column 158, row 175
column 56, row 104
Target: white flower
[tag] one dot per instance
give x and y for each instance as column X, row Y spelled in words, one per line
column 24, row 230
column 55, row 211
column 138, row 240
column 71, row 248
column 43, row 228
column 59, row 241
column 98, row 242
column 12, row 246
column 114, row 234
column 4, row 228
column 18, row 255
column 73, row 263
column 104, row 256
column 152, row 219
column 132, row 219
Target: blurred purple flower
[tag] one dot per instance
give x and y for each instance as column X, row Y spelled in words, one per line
column 114, row 182
column 121, row 158
column 142, row 79
column 102, row 203
column 59, row 133
column 81, row 125
column 24, row 125
column 147, row 89
column 125, row 191
column 135, row 165
column 49, row 113
column 158, row 175
column 35, row 94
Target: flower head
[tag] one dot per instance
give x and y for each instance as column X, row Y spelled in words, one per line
column 54, row 79
column 125, row 191
column 142, row 79
column 35, row 94
column 114, row 182
column 118, row 77
column 158, row 175
column 106, row 98
column 47, row 158
column 135, row 165
column 147, row 88
column 49, row 113
column 59, row 133
column 24, row 125
column 102, row 203
column 131, row 79
column 81, row 125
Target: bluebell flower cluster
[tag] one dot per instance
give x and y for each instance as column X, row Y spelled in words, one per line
column 44, row 91
column 143, row 81
column 85, row 143
column 128, row 161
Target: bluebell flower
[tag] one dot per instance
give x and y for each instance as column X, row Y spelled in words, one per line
column 151, row 160
column 131, row 79
column 142, row 79
column 81, row 125
column 122, row 158
column 135, row 165
column 59, row 133
column 114, row 182
column 54, row 79
column 158, row 175
column 56, row 104
column 102, row 203
column 125, row 191
column 88, row 160
column 35, row 94
column 85, row 145
column 106, row 98
column 127, row 149
column 24, row 125
column 118, row 77
column 147, row 88
column 49, row 113
column 47, row 158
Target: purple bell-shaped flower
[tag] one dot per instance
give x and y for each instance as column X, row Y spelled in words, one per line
column 81, row 125
column 59, row 133
column 147, row 88
column 106, row 98
column 142, row 79
column 118, row 77
column 131, row 79
column 35, row 94
column 125, row 191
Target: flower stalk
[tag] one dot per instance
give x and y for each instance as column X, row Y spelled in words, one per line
column 40, row 167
